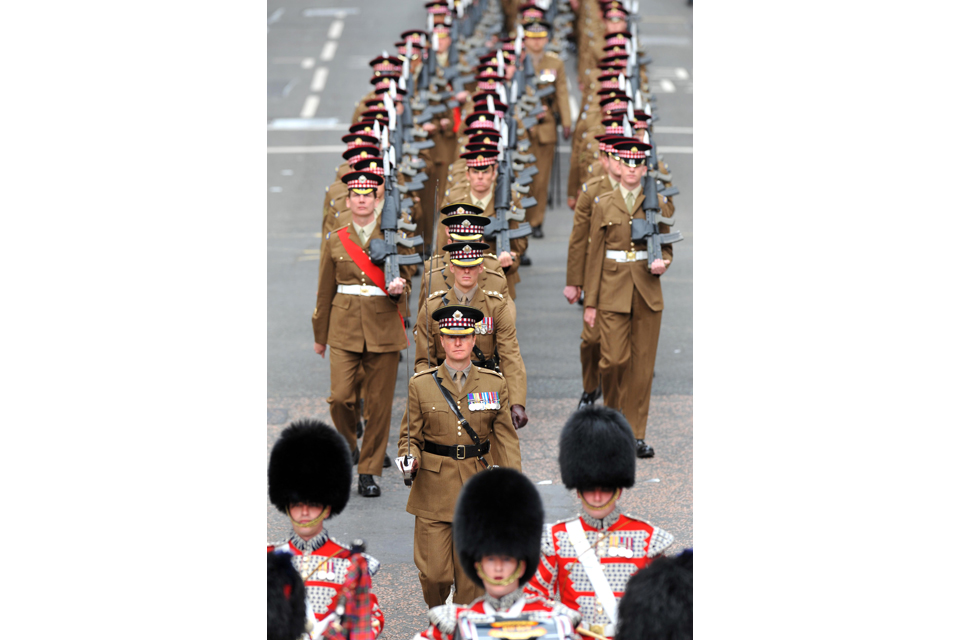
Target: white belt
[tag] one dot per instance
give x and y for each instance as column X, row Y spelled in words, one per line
column 626, row 256
column 360, row 290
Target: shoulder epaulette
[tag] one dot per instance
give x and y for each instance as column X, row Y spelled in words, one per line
column 493, row 373
column 551, row 54
column 341, row 227
column 494, row 293
column 444, row 618
column 564, row 521
column 431, row 369
column 279, row 543
column 435, row 294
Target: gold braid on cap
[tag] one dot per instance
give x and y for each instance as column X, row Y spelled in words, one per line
column 521, row 566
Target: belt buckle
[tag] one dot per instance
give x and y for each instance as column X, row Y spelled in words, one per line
column 597, row 629
column 631, row 255
column 364, row 290
column 461, row 452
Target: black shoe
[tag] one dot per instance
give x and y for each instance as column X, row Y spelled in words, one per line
column 588, row 398
column 538, row 231
column 359, row 428
column 525, row 261
column 644, row 450
column 356, row 456
column 368, row 486
column 387, row 462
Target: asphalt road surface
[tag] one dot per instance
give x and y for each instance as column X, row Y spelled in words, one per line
column 317, row 69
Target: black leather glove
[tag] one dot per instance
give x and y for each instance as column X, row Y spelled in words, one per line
column 518, row 415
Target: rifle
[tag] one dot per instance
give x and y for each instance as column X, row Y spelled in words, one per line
column 499, row 228
column 385, row 251
column 647, row 228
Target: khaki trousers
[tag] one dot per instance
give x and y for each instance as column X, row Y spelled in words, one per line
column 590, row 356
column 435, row 557
column 541, row 181
column 380, row 379
column 628, row 352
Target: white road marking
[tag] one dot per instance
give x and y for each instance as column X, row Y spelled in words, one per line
column 667, row 86
column 307, row 63
column 274, row 16
column 310, row 257
column 276, row 189
column 310, row 106
column 287, row 172
column 305, row 124
column 661, row 149
column 682, row 73
column 318, row 149
column 319, row 79
column 665, row 129
column 336, row 28
column 337, row 12
column 329, row 50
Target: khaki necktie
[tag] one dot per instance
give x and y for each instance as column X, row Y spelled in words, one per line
column 629, row 201
column 478, row 204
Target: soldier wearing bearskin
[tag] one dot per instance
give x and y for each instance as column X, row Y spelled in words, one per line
column 496, row 530
column 309, row 481
column 585, row 562
column 658, row 602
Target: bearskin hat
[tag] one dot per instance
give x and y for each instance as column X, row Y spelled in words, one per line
column 597, row 450
column 311, row 464
column 286, row 605
column 658, row 601
column 500, row 513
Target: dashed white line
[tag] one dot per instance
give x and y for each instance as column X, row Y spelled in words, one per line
column 682, row 73
column 667, row 86
column 674, row 150
column 274, row 16
column 667, row 129
column 319, row 79
column 310, row 107
column 329, row 50
column 307, row 63
column 336, row 28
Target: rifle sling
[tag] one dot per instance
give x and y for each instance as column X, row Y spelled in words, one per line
column 460, row 419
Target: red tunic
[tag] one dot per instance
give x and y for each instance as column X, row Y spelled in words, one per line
column 626, row 546
column 323, row 573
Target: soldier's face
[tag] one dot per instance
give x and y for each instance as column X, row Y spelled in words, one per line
column 466, row 277
column 613, row 168
column 630, row 177
column 361, row 204
column 605, row 162
column 443, row 44
column 458, row 348
column 499, row 568
column 481, row 179
column 534, row 45
column 301, row 517
column 598, row 503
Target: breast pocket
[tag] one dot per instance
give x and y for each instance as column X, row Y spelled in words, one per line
column 435, row 415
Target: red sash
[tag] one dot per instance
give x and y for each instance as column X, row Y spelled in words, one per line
column 372, row 271
column 362, row 260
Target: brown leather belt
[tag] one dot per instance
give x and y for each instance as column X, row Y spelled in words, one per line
column 458, row 452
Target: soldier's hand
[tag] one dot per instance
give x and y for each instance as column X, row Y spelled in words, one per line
column 429, row 127
column 445, row 123
column 658, row 267
column 566, row 134
column 572, row 202
column 590, row 315
column 319, row 349
column 518, row 415
column 506, row 259
column 462, row 97
column 414, row 468
column 572, row 294
column 395, row 287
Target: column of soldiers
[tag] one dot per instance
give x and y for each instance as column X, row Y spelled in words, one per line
column 446, row 170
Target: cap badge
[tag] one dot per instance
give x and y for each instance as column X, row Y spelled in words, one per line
column 457, row 315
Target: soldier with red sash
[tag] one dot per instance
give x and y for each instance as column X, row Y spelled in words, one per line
column 359, row 315
column 309, row 481
column 585, row 562
column 496, row 529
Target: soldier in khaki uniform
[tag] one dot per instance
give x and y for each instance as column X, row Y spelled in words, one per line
column 496, row 333
column 622, row 295
column 549, row 70
column 576, row 264
column 361, row 323
column 445, row 455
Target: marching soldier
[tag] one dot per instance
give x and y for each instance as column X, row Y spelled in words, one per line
column 585, row 562
column 448, row 450
column 309, row 481
column 622, row 295
column 359, row 315
column 550, row 70
column 496, row 334
column 497, row 527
